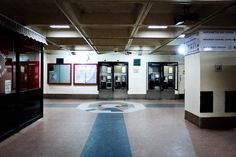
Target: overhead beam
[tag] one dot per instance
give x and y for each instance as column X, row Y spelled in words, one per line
column 197, row 25
column 68, row 11
column 142, row 15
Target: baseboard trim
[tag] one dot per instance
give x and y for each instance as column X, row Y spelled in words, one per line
column 211, row 122
column 71, row 96
column 89, row 96
column 136, row 96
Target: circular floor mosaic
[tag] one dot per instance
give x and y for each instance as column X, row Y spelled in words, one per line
column 111, row 107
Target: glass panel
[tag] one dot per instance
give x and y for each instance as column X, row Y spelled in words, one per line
column 105, row 77
column 85, row 74
column 59, row 73
column 29, row 64
column 154, row 77
column 7, row 64
column 169, row 72
column 120, row 76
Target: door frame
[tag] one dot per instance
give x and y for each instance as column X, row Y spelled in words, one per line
column 162, row 64
column 112, row 64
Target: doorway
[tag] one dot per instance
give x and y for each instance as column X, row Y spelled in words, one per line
column 162, row 80
column 113, row 80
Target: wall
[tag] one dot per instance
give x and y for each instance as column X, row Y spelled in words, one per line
column 218, row 81
column 192, row 83
column 137, row 81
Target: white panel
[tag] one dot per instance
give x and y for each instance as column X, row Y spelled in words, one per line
column 192, row 83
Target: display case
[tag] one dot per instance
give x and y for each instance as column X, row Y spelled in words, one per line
column 59, row 74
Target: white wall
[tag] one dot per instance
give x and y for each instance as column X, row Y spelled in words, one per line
column 218, row 81
column 192, row 83
column 68, row 58
column 137, row 81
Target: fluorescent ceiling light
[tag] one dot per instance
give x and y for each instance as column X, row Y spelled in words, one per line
column 59, row 26
column 181, row 36
column 157, row 27
column 179, row 23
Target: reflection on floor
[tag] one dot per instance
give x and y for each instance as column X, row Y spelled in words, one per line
column 158, row 130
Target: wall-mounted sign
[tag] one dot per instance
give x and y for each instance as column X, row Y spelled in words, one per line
column 211, row 40
column 218, row 41
column 7, row 86
column 137, row 62
column 192, row 43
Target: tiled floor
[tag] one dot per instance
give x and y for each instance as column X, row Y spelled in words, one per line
column 156, row 131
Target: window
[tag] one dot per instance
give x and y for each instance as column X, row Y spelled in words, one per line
column 7, row 64
column 29, row 64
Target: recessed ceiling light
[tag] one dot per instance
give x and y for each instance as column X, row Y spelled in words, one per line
column 157, row 27
column 59, row 26
column 181, row 36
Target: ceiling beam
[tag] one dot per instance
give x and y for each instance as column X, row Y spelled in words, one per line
column 142, row 15
column 67, row 10
column 197, row 25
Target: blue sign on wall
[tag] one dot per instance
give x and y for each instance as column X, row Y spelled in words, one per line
column 137, row 62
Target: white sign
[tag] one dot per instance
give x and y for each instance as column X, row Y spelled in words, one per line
column 192, row 42
column 218, row 41
column 209, row 40
column 7, row 86
column 136, row 70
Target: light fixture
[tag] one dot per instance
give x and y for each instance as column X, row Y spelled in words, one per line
column 182, row 49
column 187, row 16
column 157, row 27
column 181, row 36
column 179, row 23
column 59, row 26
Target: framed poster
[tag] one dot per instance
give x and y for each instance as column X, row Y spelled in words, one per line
column 59, row 74
column 85, row 74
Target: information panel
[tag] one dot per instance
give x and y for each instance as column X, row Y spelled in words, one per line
column 85, row 74
column 211, row 41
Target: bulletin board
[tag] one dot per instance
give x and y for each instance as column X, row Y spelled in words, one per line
column 59, row 74
column 85, row 74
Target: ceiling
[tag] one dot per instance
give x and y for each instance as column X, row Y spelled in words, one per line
column 118, row 25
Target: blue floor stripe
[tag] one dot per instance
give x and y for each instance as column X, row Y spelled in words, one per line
column 108, row 137
column 163, row 105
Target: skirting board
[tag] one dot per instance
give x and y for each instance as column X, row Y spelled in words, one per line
column 88, row 96
column 70, row 96
column 211, row 122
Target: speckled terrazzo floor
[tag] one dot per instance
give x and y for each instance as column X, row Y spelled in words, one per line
column 156, row 131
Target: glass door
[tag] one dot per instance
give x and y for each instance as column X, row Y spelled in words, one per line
column 113, row 80
column 106, row 77
column 120, row 77
column 162, row 80
column 154, row 76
